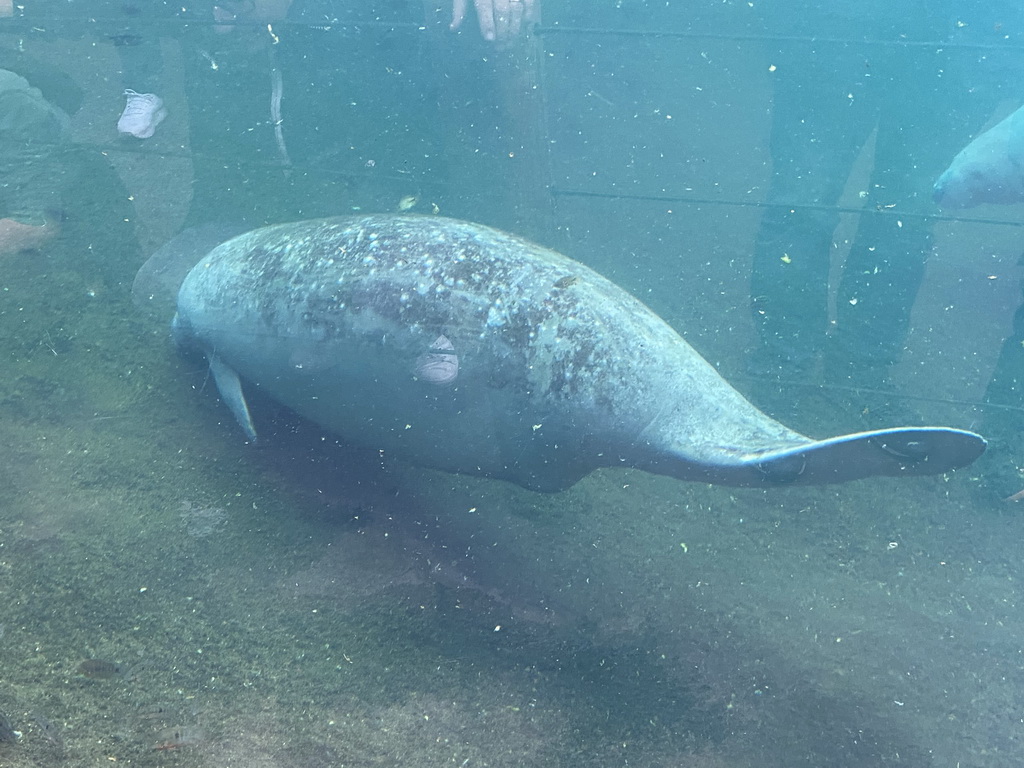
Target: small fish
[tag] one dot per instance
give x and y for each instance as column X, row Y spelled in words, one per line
column 564, row 282
column 98, row 669
column 408, row 202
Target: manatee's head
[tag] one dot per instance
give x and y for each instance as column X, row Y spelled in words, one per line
column 989, row 170
column 955, row 190
column 970, row 181
column 969, row 185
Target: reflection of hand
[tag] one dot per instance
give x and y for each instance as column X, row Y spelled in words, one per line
column 16, row 237
column 231, row 12
column 499, row 19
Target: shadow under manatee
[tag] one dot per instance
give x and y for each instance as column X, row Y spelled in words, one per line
column 498, row 587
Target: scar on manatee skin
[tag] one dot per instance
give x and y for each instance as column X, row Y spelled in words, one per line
column 436, row 367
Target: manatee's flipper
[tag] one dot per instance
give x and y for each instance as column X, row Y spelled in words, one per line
column 901, row 451
column 230, row 388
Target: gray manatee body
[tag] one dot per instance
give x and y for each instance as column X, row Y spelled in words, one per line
column 988, row 170
column 459, row 347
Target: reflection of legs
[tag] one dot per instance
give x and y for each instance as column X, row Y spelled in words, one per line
column 789, row 285
column 822, row 115
column 880, row 282
column 1006, row 387
column 141, row 61
column 1001, row 469
column 98, row 212
column 885, row 267
column 141, row 70
column 237, row 176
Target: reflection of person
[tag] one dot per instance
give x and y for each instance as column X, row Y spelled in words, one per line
column 230, row 13
column 499, row 20
column 58, row 197
column 308, row 117
column 33, row 137
column 830, row 99
column 139, row 53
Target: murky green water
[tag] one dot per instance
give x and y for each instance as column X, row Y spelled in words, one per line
column 308, row 603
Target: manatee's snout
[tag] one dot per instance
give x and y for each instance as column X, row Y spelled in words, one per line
column 953, row 191
column 944, row 191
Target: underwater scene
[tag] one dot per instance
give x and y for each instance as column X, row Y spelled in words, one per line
column 577, row 383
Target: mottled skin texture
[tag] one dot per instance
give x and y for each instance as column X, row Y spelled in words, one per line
column 560, row 371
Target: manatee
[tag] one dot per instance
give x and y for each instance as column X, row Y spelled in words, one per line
column 988, row 170
column 459, row 347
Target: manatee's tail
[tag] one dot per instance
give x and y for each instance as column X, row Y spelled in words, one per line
column 155, row 289
column 899, row 452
